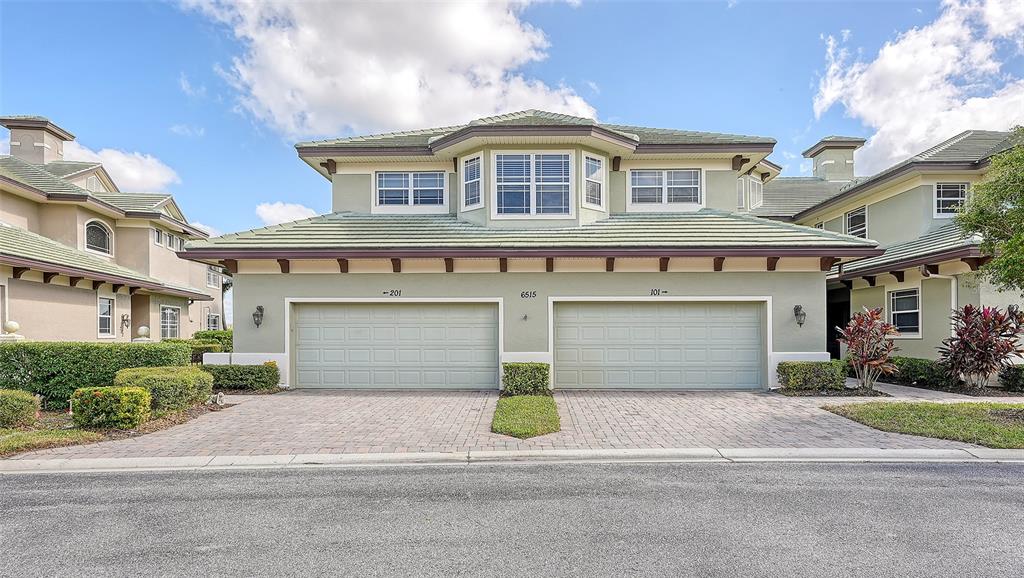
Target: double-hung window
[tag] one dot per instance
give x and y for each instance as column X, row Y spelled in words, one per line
column 756, row 193
column 471, row 194
column 169, row 322
column 158, row 237
column 105, row 316
column 741, row 194
column 905, row 310
column 593, row 181
column 537, row 184
column 410, row 189
column 857, row 223
column 213, row 321
column 949, row 197
column 212, row 276
column 670, row 188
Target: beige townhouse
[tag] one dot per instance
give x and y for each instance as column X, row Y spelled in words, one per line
column 81, row 260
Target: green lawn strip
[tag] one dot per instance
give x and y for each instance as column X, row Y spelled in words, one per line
column 526, row 416
column 13, row 441
column 994, row 425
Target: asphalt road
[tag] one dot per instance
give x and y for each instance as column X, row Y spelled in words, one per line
column 528, row 520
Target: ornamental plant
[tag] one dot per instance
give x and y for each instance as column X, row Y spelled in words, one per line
column 984, row 341
column 868, row 339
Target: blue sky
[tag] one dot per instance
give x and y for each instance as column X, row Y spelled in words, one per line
column 205, row 101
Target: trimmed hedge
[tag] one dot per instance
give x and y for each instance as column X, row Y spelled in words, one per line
column 812, row 375
column 917, row 372
column 17, row 408
column 199, row 347
column 1012, row 378
column 255, row 377
column 171, row 388
column 223, row 336
column 526, row 378
column 55, row 370
column 110, row 407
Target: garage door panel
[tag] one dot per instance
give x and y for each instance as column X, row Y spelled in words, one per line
column 391, row 345
column 677, row 345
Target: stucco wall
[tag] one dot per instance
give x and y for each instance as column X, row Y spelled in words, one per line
column 936, row 301
column 19, row 212
column 903, row 217
column 51, row 312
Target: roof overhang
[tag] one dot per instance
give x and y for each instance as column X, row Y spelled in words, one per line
column 929, row 259
column 38, row 124
column 846, row 144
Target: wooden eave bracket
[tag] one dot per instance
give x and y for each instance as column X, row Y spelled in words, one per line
column 396, row 265
column 285, row 265
column 773, row 262
column 827, row 263
column 719, row 263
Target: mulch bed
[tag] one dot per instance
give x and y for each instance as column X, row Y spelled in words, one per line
column 1009, row 416
column 848, row 392
column 61, row 420
column 984, row 392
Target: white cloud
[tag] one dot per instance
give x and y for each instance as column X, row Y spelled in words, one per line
column 310, row 68
column 189, row 89
column 209, row 229
column 275, row 213
column 187, row 130
column 929, row 83
column 132, row 171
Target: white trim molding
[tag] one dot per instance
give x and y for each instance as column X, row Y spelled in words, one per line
column 603, row 181
column 532, row 186
column 479, row 157
column 664, row 206
column 410, row 207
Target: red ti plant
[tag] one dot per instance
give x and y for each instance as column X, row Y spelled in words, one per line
column 984, row 341
column 869, row 345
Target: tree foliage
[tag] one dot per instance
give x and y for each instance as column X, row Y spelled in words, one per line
column 995, row 210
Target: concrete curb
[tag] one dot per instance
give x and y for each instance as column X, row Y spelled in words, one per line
column 470, row 458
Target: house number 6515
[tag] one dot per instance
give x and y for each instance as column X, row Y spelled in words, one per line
column 528, row 294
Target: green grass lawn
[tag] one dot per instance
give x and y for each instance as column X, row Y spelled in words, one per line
column 13, row 441
column 526, row 416
column 994, row 425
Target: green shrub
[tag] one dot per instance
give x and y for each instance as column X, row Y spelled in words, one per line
column 110, row 407
column 917, row 372
column 56, row 369
column 1012, row 378
column 171, row 388
column 199, row 347
column 814, row 375
column 17, row 408
column 526, row 378
column 222, row 336
column 256, row 377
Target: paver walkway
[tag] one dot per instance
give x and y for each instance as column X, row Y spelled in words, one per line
column 309, row 422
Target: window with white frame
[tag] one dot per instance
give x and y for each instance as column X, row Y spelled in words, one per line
column 949, row 197
column 756, row 193
column 169, row 241
column 905, row 310
column 169, row 322
column 665, row 186
column 212, row 276
column 93, row 184
column 741, row 194
column 158, row 237
column 98, row 237
column 213, row 321
column 532, row 184
column 593, row 180
column 857, row 222
column 181, row 243
column 105, row 316
column 471, row 182
column 410, row 189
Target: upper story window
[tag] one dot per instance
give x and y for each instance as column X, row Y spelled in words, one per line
column 396, row 190
column 665, row 189
column 471, row 182
column 98, row 237
column 593, row 179
column 212, row 276
column 533, row 184
column 905, row 310
column 158, row 237
column 756, row 193
column 857, row 222
column 949, row 197
column 93, row 184
column 741, row 194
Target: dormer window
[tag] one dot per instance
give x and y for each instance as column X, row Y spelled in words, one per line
column 741, row 194
column 664, row 190
column 533, row 185
column 756, row 193
column 949, row 198
column 857, row 222
column 98, row 238
column 593, row 181
column 471, row 195
column 402, row 191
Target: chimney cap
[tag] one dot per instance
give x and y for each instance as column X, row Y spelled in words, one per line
column 36, row 122
column 834, row 142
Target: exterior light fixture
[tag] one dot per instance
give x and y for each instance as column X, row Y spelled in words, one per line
column 257, row 316
column 800, row 314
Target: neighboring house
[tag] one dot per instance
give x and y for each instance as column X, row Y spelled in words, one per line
column 82, row 261
column 909, row 209
column 618, row 254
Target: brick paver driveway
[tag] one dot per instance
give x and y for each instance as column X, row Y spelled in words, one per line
column 305, row 422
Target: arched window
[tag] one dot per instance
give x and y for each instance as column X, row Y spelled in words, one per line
column 98, row 237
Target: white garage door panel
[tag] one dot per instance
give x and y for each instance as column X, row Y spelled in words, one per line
column 658, row 345
column 392, row 345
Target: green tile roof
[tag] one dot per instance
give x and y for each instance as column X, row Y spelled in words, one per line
column 787, row 196
column 944, row 239
column 36, row 177
column 64, row 169
column 22, row 244
column 642, row 135
column 142, row 202
column 703, row 229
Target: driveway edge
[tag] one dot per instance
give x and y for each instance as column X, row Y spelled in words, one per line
column 470, row 458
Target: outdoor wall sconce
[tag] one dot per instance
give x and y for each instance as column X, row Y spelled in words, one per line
column 126, row 322
column 800, row 314
column 257, row 316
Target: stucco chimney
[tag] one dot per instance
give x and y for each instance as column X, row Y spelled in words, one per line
column 35, row 139
column 833, row 157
